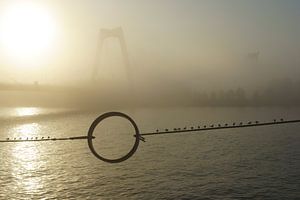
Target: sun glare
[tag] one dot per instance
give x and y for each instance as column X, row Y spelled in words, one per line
column 26, row 30
column 27, row 111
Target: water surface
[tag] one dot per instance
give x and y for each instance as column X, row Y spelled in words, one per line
column 251, row 163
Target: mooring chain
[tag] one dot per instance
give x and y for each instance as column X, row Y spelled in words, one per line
column 218, row 126
column 41, row 139
column 140, row 136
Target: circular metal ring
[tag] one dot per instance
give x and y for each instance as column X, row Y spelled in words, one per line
column 101, row 118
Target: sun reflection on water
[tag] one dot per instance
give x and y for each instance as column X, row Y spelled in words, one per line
column 25, row 130
column 27, row 111
column 26, row 160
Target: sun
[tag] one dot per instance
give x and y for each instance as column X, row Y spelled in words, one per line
column 26, row 30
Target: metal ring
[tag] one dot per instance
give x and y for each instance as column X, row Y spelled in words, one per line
column 97, row 121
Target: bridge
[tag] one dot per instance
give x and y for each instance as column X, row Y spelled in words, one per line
column 104, row 34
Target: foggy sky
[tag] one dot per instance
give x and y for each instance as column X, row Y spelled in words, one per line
column 200, row 43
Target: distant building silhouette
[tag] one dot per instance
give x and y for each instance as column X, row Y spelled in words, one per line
column 253, row 56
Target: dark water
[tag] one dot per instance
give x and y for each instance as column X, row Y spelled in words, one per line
column 250, row 163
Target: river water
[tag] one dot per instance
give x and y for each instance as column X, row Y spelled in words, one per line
column 249, row 163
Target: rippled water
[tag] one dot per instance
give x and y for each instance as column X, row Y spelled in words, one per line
column 251, row 163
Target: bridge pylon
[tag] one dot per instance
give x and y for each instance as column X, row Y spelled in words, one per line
column 106, row 34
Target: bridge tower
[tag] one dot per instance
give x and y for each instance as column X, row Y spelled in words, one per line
column 106, row 34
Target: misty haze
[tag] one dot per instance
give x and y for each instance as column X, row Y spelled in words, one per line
column 171, row 66
column 195, row 53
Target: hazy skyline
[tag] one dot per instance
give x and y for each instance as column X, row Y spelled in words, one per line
column 202, row 43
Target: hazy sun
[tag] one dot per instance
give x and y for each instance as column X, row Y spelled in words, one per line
column 26, row 30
